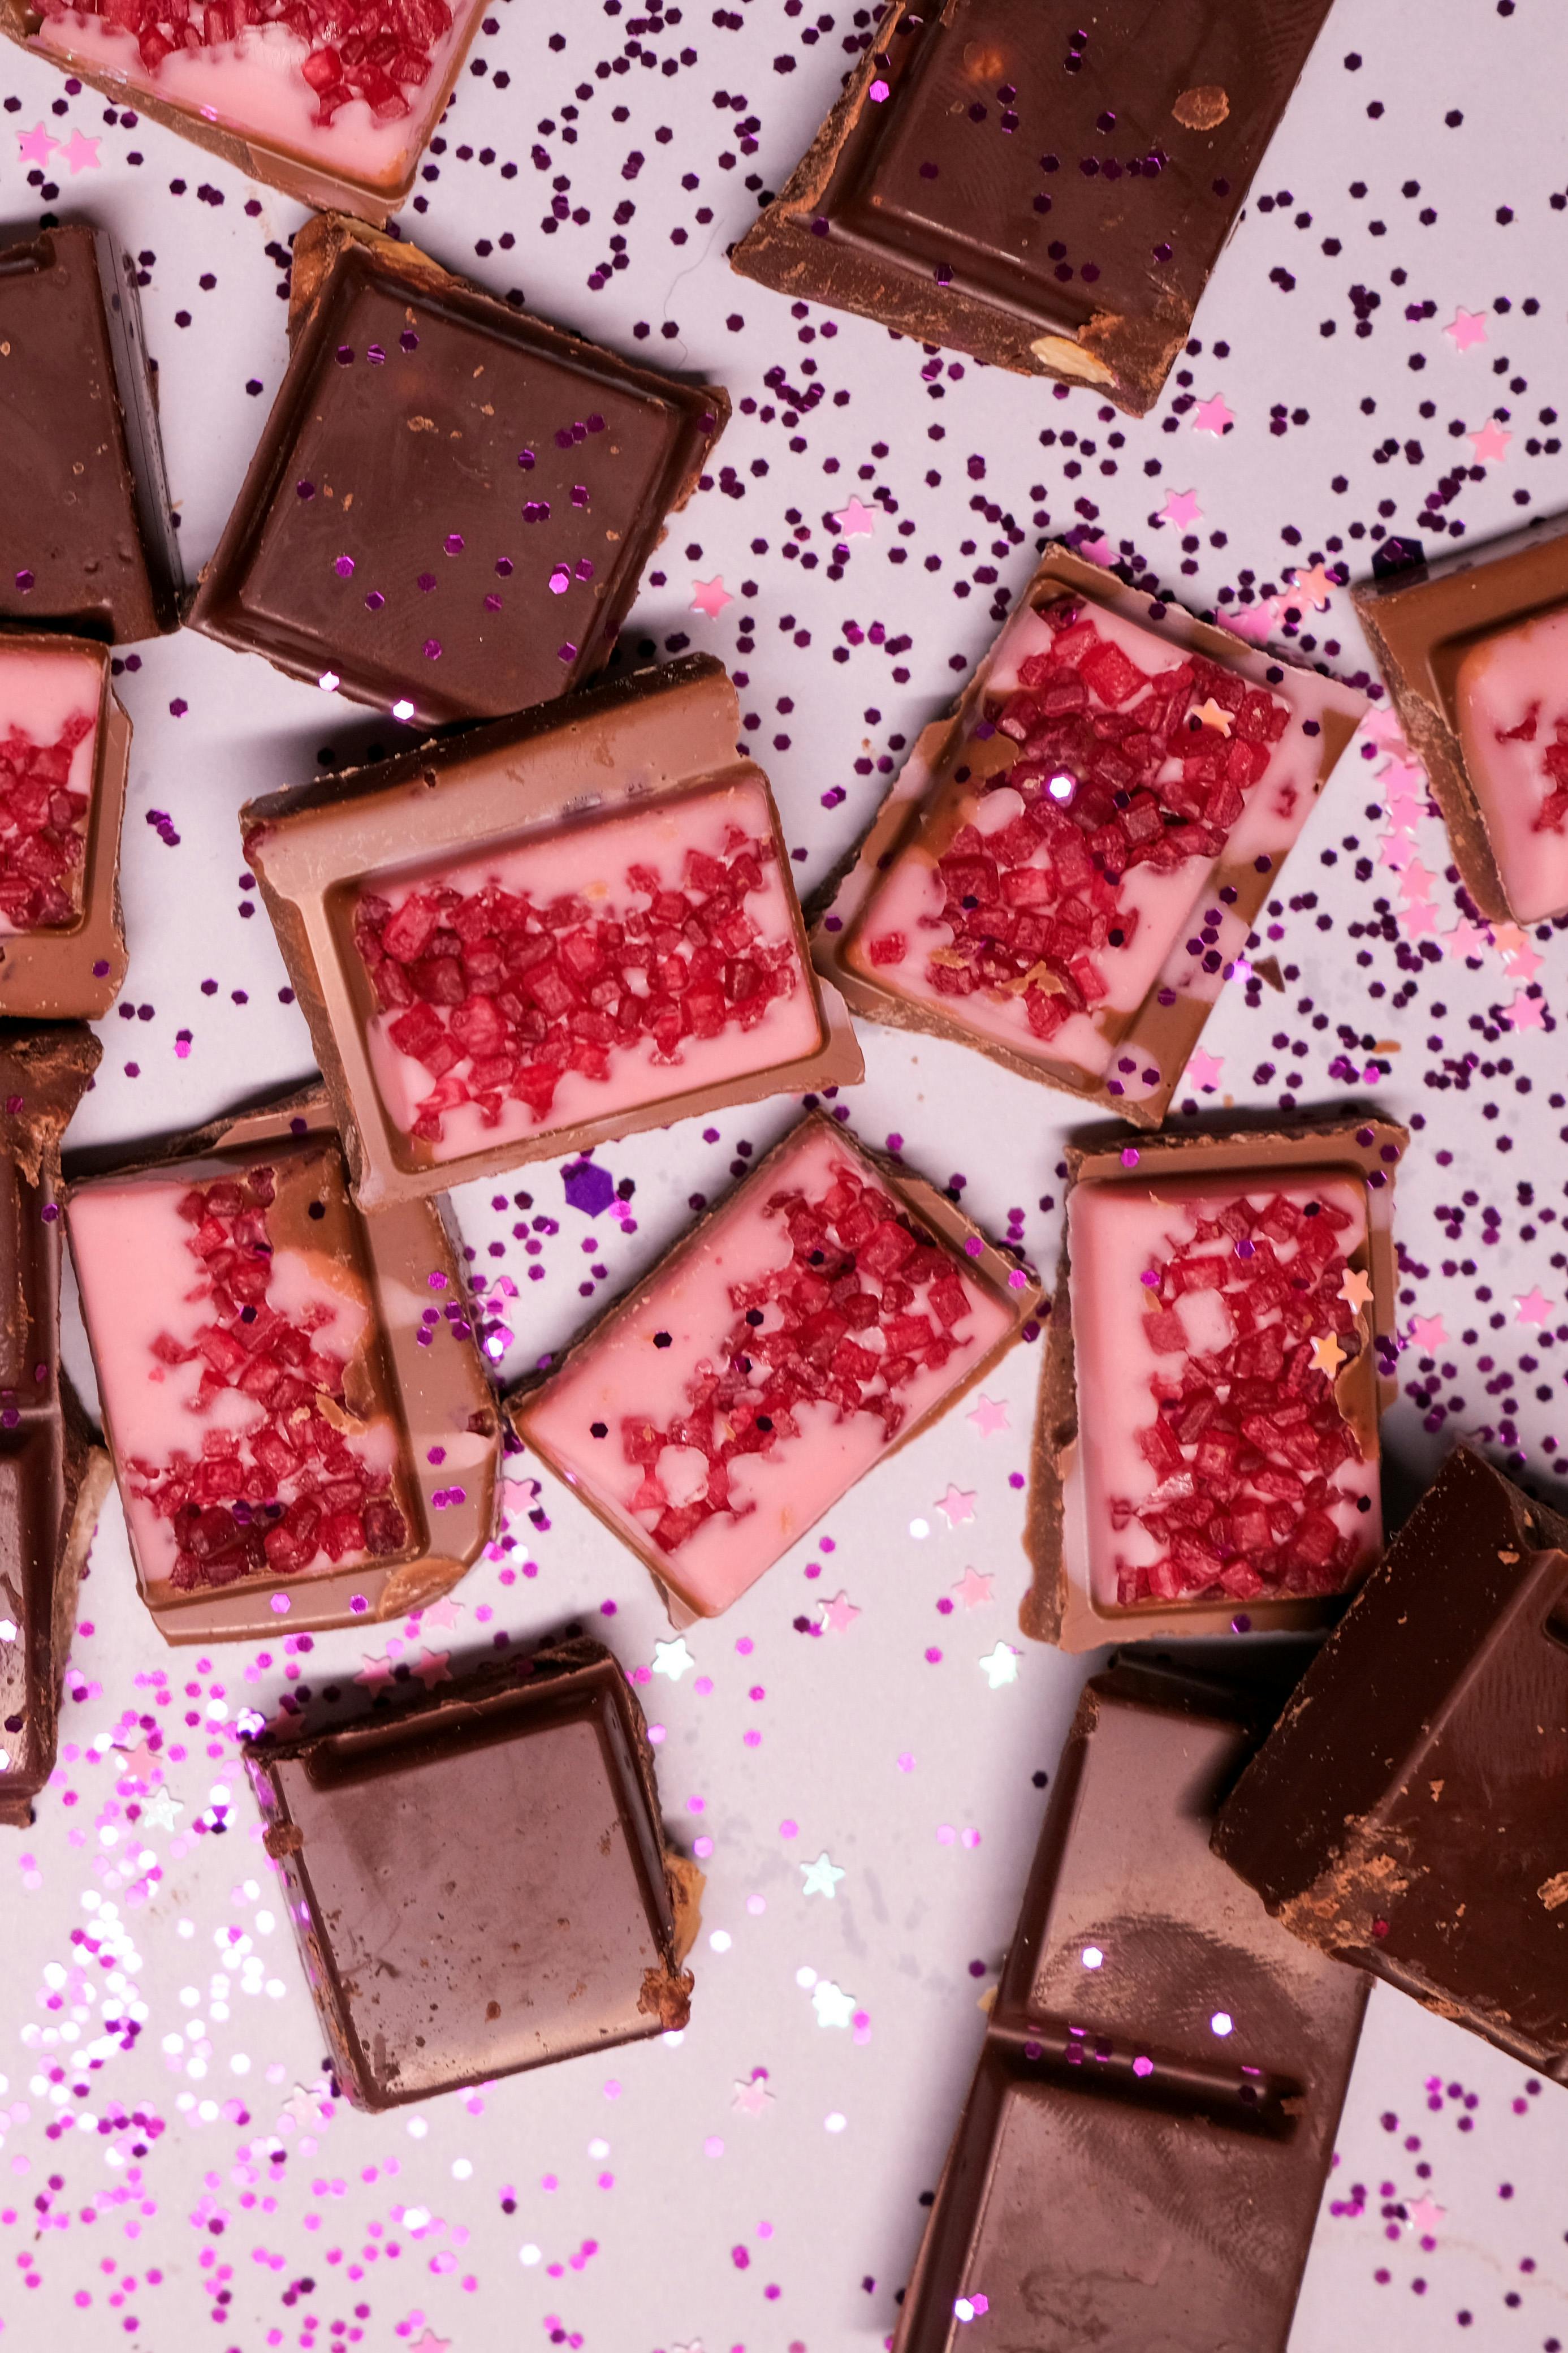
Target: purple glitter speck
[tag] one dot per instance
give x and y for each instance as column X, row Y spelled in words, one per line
column 503, row 566
column 560, row 581
column 566, row 653
column 305, row 489
column 408, row 339
column 427, row 582
column 345, row 355
column 25, row 581
column 453, row 543
column 432, row 649
column 343, row 566
column 492, row 604
column 375, row 601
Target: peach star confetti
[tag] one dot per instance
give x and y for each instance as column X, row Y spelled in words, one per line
column 1356, row 1289
column 972, row 1590
column 1204, row 1070
column 1311, row 588
column 1213, row 416
column 1535, row 1307
column 753, row 2097
column 81, row 153
column 838, row 1615
column 1181, row 508
column 711, row 596
column 1212, row 714
column 1526, row 1012
column 1467, row 327
column 855, row 521
column 1001, row 1665
column 821, row 1877
column 956, row 1506
column 672, row 1659
column 36, row 145
column 1513, row 947
column 1327, row 1354
column 1490, row 444
column 989, row 1417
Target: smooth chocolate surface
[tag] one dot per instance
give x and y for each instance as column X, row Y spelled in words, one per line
column 479, row 1882
column 1410, row 1813
column 87, row 539
column 65, row 754
column 451, row 502
column 1423, row 623
column 1049, row 195
column 459, row 925
column 301, row 1424
column 52, row 1477
column 1140, row 2157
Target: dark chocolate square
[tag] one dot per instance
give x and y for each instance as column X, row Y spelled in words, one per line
column 452, row 502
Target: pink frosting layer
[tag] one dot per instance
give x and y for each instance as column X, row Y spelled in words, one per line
column 1511, row 693
column 46, row 693
column 640, row 1368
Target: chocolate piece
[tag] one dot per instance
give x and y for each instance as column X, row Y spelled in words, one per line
column 829, row 1309
column 1475, row 651
column 1140, row 2157
column 479, row 1882
column 1205, row 1454
column 451, row 502
column 65, row 751
column 1410, row 1813
column 86, row 538
column 52, row 1477
column 298, row 1430
column 279, row 93
column 1068, row 866
column 958, row 190
column 539, row 937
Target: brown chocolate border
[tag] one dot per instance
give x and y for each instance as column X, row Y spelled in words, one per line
column 461, row 798
column 402, row 1244
column 1168, row 1033
column 48, row 974
column 927, row 1206
column 1060, row 1606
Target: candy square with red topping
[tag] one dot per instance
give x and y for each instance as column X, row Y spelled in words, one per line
column 64, row 749
column 544, row 935
column 824, row 1313
column 296, row 1435
column 1066, row 871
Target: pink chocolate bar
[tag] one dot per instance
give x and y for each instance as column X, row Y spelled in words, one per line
column 718, row 1413
column 585, row 972
column 49, row 727
column 1217, row 1328
column 1512, row 695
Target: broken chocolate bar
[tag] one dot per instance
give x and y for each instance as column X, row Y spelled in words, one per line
column 1068, row 866
column 53, row 1478
column 1410, row 1813
column 1206, row 1455
column 65, row 750
column 1144, row 2149
column 829, row 1309
column 452, row 502
column 332, row 105
column 87, row 538
column 546, row 934
column 1475, row 650
column 480, row 1882
column 299, row 1421
column 1049, row 195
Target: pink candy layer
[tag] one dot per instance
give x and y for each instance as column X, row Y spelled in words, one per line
column 39, row 692
column 592, row 861
column 622, row 1374
column 1499, row 681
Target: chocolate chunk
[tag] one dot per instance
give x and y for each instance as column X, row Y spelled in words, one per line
column 1410, row 1813
column 439, row 1958
column 1051, row 197
column 87, row 538
column 52, row 1477
column 1142, row 2151
column 537, row 936
column 65, row 751
column 452, row 502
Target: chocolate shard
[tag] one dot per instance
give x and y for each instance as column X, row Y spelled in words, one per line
column 1410, row 1813
column 1206, row 1459
column 1474, row 647
column 1068, row 865
column 301, row 1427
column 65, row 753
column 1143, row 2149
column 53, row 1478
column 452, row 502
column 87, row 538
column 437, row 1958
column 538, row 936
column 1049, row 196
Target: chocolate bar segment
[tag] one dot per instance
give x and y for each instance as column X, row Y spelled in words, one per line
column 828, row 1310
column 546, row 934
column 52, row 1477
column 1068, row 866
column 1142, row 2156
column 1205, row 1456
column 1408, row 1814
column 452, row 502
column 64, row 752
column 437, row 1957
column 87, row 538
column 298, row 1430
column 1049, row 195
column 1475, row 650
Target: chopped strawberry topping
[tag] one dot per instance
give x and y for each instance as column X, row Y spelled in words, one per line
column 43, row 829
column 284, row 1490
column 865, row 1303
column 500, row 998
column 1550, row 815
column 1246, row 1436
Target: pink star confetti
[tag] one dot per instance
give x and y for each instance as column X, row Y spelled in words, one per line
column 955, row 1507
column 989, row 1417
column 443, row 1613
column 1467, row 327
column 711, row 596
column 1416, row 881
column 1419, row 919
column 1181, row 508
column 1213, row 416
column 1490, row 444
column 1098, row 549
column 432, row 1667
column 1534, row 1308
column 35, row 145
column 1427, row 1333
column 81, row 153
column 1382, row 725
column 431, row 2343
column 839, row 1614
column 1395, row 849
column 753, row 2097
column 138, row 1762
column 1313, row 588
column 1204, row 1070
column 972, row 1590
column 1425, row 2213
column 1526, row 1012
column 1253, row 622
column 376, row 1671
column 1466, row 939
column 855, row 521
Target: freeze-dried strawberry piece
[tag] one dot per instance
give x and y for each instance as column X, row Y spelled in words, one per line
column 43, row 829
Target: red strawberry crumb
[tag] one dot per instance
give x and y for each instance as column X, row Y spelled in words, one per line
column 43, row 829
